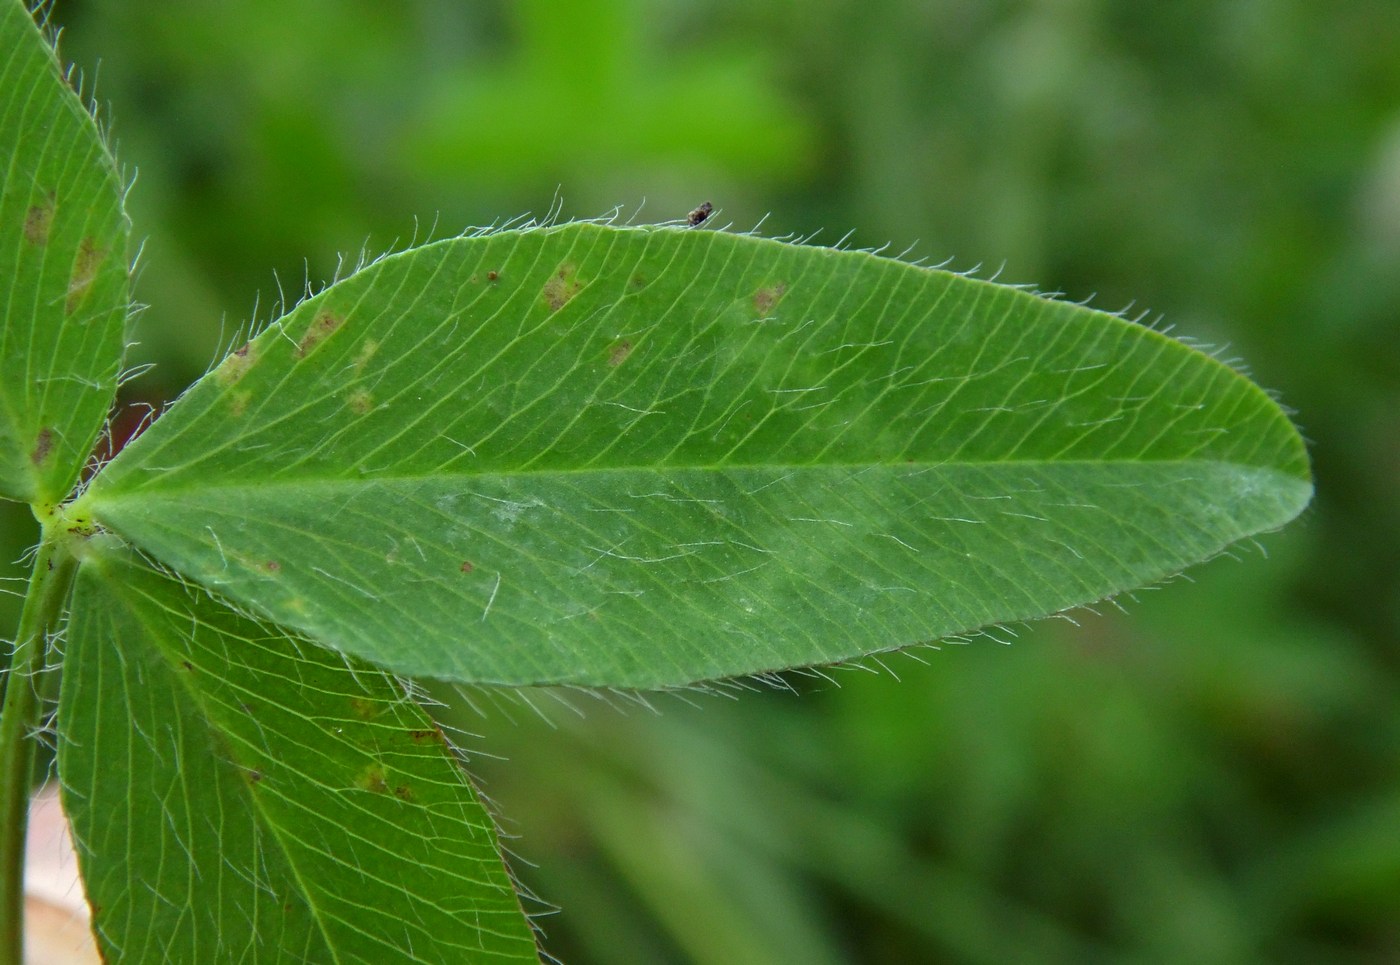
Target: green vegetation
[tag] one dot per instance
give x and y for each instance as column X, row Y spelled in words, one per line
column 975, row 810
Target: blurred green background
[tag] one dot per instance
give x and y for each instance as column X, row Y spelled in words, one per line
column 1210, row 773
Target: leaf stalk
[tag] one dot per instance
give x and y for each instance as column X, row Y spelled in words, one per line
column 49, row 583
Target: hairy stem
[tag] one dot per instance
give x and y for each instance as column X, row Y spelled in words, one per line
column 53, row 573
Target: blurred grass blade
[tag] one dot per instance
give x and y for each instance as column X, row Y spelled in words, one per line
column 237, row 795
column 63, row 259
column 643, row 457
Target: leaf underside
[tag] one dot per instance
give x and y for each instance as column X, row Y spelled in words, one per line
column 648, row 456
column 63, row 240
column 238, row 796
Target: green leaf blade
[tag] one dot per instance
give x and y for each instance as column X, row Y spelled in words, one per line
column 645, row 457
column 63, row 250
column 235, row 794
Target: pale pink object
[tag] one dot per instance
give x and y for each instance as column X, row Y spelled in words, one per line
column 57, row 923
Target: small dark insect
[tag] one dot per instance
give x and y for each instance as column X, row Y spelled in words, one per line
column 698, row 216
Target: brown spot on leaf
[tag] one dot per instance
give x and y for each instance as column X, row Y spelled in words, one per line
column 235, row 365
column 85, row 266
column 82, row 527
column 272, row 566
column 467, row 566
column 322, row 327
column 366, row 353
column 43, row 445
column 492, row 275
column 360, row 401
column 403, row 792
column 187, row 665
column 619, row 352
column 561, row 287
column 637, row 283
column 765, row 299
column 429, row 734
column 37, row 222
column 372, row 779
column 254, row 776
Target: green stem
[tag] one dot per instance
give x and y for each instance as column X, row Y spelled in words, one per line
column 43, row 606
